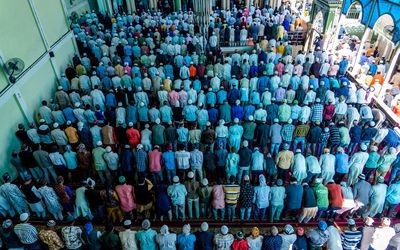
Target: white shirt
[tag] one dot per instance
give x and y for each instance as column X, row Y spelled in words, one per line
column 381, row 237
column 255, row 244
column 128, row 240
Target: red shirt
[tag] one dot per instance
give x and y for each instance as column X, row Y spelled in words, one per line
column 133, row 137
column 239, row 245
column 329, row 111
column 335, row 195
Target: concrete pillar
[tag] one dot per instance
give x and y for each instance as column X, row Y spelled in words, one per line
column 361, row 48
column 393, row 63
column 153, row 4
column 109, row 7
column 177, row 5
column 131, row 6
column 102, row 9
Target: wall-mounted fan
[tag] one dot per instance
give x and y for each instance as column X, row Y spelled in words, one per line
column 14, row 67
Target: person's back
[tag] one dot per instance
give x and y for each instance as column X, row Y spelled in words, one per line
column 91, row 238
column 8, row 236
column 294, row 195
column 351, row 239
column 72, row 237
column 272, row 242
column 205, row 240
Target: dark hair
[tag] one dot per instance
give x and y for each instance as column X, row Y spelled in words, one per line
column 109, row 227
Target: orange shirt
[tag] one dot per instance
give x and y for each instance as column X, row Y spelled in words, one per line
column 369, row 52
column 377, row 77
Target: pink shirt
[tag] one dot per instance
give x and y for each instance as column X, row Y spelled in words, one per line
column 218, row 195
column 125, row 195
column 155, row 159
column 173, row 96
column 279, row 67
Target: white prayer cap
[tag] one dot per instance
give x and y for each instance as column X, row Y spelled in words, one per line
column 224, row 229
column 204, row 226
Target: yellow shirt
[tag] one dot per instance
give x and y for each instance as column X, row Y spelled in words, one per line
column 72, row 134
column 281, row 49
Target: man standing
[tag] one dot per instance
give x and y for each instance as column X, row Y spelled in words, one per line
column 99, row 162
column 262, row 195
column 244, row 160
column 294, row 197
column 177, row 192
column 192, row 187
column 283, row 161
column 361, row 192
column 232, row 192
column 246, row 198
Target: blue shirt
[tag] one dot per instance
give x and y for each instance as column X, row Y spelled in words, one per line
column 393, row 193
column 111, row 101
column 342, row 163
column 213, row 115
column 237, row 112
column 221, row 96
column 69, row 114
column 169, row 160
column 186, row 242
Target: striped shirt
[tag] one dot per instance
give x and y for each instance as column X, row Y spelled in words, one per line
column 232, row 192
column 350, row 239
column 26, row 233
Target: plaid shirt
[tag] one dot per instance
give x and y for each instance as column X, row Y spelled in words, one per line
column 301, row 130
column 316, row 112
column 324, row 137
column 141, row 160
column 287, row 132
column 223, row 242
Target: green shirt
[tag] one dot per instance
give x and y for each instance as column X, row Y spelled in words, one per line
column 99, row 162
column 385, row 161
column 373, row 159
column 158, row 134
column 110, row 240
column 205, row 194
column 249, row 128
column 321, row 192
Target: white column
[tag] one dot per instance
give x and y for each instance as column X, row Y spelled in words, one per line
column 393, row 63
column 109, row 7
column 361, row 48
column 132, row 7
column 23, row 106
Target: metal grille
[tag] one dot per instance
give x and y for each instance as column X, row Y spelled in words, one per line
column 354, row 11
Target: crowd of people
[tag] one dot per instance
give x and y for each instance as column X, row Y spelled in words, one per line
column 170, row 126
column 327, row 234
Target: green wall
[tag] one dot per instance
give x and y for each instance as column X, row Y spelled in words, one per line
column 20, row 35
column 54, row 21
column 21, row 38
column 11, row 114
